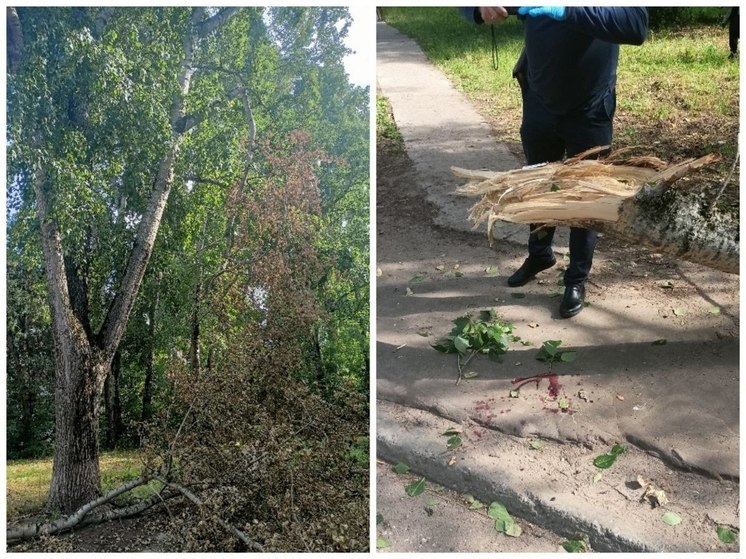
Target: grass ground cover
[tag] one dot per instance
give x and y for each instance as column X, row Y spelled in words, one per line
column 677, row 94
column 28, row 480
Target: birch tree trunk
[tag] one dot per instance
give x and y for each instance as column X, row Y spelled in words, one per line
column 83, row 361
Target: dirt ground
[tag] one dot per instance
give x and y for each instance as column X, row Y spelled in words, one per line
column 422, row 524
column 146, row 533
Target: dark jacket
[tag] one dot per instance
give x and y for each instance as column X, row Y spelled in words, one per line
column 569, row 64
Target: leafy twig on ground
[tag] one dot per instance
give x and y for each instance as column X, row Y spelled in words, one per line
column 484, row 335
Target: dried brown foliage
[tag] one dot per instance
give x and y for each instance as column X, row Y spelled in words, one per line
column 248, row 436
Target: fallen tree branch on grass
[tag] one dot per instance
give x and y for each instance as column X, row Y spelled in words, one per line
column 628, row 197
column 83, row 517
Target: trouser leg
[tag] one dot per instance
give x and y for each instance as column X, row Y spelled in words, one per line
column 582, row 245
column 541, row 144
column 590, row 128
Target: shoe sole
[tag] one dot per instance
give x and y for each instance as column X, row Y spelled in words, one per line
column 571, row 312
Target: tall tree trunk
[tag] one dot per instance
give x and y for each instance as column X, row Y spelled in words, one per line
column 82, row 361
column 75, row 472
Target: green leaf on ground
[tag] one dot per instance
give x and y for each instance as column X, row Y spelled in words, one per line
column 597, row 477
column 498, row 512
column 418, row 278
column 535, row 444
column 512, row 529
column 617, row 449
column 662, row 341
column 475, row 505
column 666, row 284
column 726, row 535
column 678, row 312
column 671, row 518
column 604, row 461
column 461, row 344
column 518, row 295
column 574, row 546
column 714, row 310
column 563, row 403
column 491, row 271
column 401, row 468
column 470, row 374
column 382, row 542
column 514, row 394
column 568, row 356
column 454, row 442
column 415, row 488
column 451, row 431
column 379, row 519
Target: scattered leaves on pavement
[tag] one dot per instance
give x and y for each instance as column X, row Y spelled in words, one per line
column 401, row 468
column 726, row 535
column 607, row 460
column 671, row 518
column 504, row 523
column 415, row 488
column 575, row 545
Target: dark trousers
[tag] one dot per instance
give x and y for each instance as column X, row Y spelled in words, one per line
column 549, row 137
column 733, row 30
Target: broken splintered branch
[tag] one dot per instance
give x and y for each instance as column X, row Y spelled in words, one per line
column 630, row 197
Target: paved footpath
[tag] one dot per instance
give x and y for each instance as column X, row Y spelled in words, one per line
column 674, row 406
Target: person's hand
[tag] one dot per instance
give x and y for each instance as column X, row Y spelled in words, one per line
column 493, row 15
column 555, row 12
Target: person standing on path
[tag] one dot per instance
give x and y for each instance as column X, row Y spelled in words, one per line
column 567, row 74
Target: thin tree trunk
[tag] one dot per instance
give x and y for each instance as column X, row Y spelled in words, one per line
column 113, row 403
column 147, row 389
column 194, row 336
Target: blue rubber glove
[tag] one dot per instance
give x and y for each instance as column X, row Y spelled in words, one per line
column 555, row 12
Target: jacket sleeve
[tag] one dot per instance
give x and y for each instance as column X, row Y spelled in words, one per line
column 471, row 14
column 628, row 26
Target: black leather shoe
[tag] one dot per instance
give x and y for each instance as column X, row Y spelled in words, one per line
column 573, row 301
column 528, row 270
